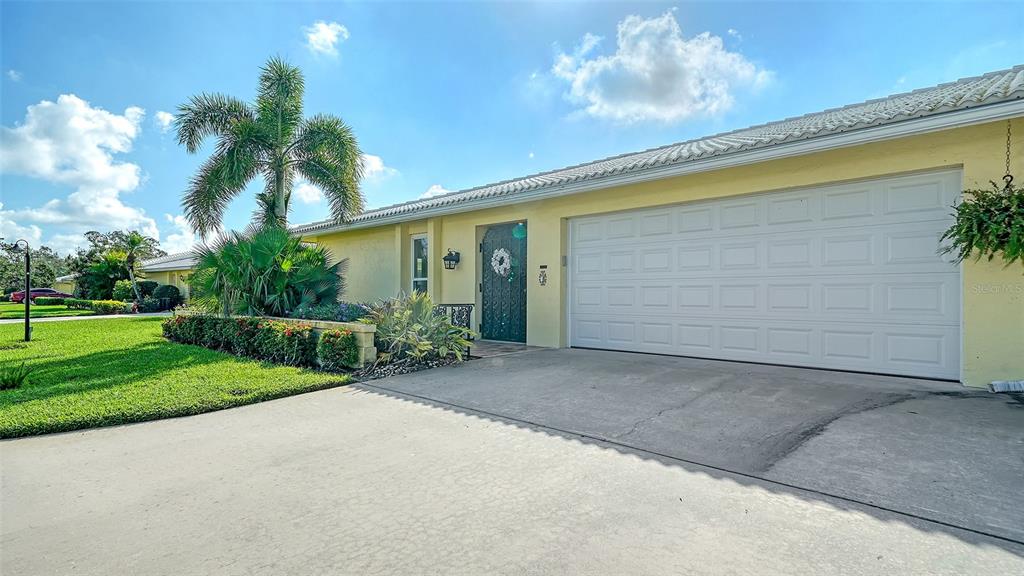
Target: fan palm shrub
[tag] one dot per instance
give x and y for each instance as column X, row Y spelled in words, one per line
column 264, row 272
column 270, row 139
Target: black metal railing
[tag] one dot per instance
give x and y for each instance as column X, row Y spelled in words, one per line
column 459, row 314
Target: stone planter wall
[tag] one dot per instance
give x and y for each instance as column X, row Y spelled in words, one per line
column 364, row 333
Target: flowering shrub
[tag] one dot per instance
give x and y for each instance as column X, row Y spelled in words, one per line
column 267, row 340
column 337, row 349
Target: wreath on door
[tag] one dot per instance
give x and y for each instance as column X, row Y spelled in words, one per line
column 501, row 262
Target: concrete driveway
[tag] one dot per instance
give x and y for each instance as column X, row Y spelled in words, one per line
column 546, row 462
column 922, row 447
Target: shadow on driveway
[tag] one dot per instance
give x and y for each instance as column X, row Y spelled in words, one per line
column 932, row 450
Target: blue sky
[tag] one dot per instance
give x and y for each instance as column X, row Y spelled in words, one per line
column 442, row 96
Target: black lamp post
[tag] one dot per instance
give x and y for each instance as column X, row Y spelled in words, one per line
column 28, row 288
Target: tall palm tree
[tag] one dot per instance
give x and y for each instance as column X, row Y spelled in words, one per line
column 268, row 138
column 134, row 247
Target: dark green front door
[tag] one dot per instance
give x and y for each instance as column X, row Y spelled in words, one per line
column 503, row 283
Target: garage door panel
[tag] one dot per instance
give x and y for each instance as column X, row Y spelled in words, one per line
column 890, row 298
column 844, row 276
column 919, row 351
column 908, row 248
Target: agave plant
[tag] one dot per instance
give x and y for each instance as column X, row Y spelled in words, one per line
column 264, row 271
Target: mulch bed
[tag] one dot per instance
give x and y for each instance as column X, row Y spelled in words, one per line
column 387, row 370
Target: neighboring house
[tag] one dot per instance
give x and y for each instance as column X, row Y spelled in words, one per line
column 173, row 269
column 66, row 284
column 811, row 241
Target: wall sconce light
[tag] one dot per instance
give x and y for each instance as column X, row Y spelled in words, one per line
column 451, row 260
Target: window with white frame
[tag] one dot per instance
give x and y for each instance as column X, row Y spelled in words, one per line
column 419, row 263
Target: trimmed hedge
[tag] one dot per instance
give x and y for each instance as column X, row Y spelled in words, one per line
column 5, row 297
column 332, row 311
column 147, row 287
column 267, row 340
column 168, row 291
column 99, row 306
column 150, row 304
column 110, row 307
column 47, row 301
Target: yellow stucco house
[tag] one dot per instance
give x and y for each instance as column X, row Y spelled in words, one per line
column 811, row 241
column 173, row 269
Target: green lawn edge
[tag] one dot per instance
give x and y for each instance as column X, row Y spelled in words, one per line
column 102, row 373
column 15, row 310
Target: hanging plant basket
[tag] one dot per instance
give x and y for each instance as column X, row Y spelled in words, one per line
column 989, row 223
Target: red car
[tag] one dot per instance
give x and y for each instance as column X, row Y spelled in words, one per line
column 37, row 292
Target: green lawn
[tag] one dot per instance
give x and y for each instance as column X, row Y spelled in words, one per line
column 17, row 310
column 107, row 372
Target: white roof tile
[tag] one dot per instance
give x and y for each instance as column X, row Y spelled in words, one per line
column 990, row 88
column 178, row 261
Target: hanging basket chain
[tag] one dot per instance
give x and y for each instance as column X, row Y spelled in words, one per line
column 1008, row 178
column 989, row 223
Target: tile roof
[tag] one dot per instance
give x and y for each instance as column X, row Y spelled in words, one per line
column 178, row 261
column 991, row 88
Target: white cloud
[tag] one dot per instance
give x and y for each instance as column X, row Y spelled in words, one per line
column 67, row 243
column 322, row 37
column 307, row 193
column 435, row 190
column 163, row 120
column 655, row 73
column 735, row 34
column 70, row 143
column 11, row 231
column 182, row 239
column 374, row 168
column 14, row 75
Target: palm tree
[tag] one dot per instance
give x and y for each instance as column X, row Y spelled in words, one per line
column 268, row 138
column 134, row 246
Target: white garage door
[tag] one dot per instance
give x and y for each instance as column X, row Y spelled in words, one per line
column 844, row 276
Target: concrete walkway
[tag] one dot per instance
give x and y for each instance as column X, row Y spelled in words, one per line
column 362, row 480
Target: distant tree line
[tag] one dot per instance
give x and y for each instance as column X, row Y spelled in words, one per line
column 107, row 258
column 47, row 265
